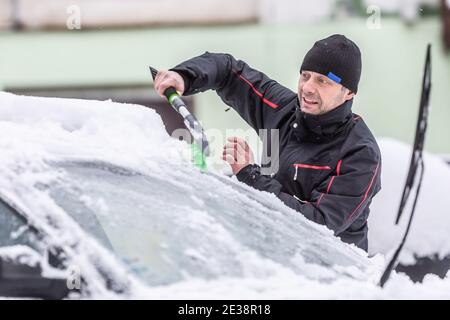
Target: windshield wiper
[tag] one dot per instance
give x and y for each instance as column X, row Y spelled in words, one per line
column 415, row 164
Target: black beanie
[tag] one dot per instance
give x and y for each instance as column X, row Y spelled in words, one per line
column 336, row 57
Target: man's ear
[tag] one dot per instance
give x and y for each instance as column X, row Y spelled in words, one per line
column 349, row 95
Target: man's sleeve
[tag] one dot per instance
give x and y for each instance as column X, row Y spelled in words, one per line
column 250, row 92
column 338, row 200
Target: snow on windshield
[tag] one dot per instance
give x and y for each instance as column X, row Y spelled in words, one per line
column 36, row 132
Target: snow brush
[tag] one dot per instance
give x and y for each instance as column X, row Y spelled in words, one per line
column 200, row 146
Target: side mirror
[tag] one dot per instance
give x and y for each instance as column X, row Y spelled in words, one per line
column 21, row 275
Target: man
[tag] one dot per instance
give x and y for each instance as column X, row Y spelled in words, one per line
column 329, row 161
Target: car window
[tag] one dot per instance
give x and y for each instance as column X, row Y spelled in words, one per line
column 76, row 202
column 166, row 228
column 14, row 228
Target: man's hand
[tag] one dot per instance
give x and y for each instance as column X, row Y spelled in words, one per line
column 165, row 79
column 237, row 153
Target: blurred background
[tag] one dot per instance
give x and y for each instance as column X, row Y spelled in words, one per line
column 101, row 49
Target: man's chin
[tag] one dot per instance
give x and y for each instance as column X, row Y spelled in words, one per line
column 314, row 110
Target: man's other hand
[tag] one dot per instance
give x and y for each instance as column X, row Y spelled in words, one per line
column 237, row 153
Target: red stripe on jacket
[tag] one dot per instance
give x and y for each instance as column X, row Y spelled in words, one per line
column 367, row 192
column 258, row 93
column 338, row 172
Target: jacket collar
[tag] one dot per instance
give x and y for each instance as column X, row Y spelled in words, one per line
column 324, row 127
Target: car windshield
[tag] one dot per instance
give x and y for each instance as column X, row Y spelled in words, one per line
column 184, row 224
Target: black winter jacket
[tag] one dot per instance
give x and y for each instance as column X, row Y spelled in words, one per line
column 329, row 165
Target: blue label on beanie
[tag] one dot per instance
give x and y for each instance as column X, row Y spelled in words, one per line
column 334, row 77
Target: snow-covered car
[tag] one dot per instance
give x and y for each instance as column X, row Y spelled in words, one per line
column 97, row 201
column 98, row 190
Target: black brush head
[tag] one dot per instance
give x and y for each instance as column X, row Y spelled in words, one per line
column 154, row 72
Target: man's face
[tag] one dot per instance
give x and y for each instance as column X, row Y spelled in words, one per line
column 319, row 94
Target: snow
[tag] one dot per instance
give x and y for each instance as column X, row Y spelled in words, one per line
column 36, row 131
column 129, row 134
column 21, row 254
column 285, row 285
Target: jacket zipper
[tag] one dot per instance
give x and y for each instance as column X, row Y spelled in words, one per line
column 308, row 166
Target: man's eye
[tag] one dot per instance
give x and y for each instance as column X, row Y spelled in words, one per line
column 322, row 80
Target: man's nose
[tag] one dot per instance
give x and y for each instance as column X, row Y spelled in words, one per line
column 308, row 87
